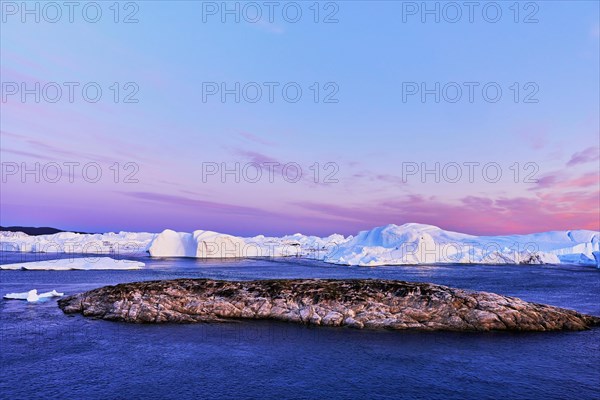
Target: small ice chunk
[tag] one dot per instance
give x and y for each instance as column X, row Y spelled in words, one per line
column 98, row 263
column 53, row 293
column 18, row 296
column 32, row 295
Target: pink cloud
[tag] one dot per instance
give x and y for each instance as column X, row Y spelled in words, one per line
column 476, row 215
column 255, row 156
column 588, row 155
column 187, row 213
column 559, row 180
column 546, row 182
column 256, row 139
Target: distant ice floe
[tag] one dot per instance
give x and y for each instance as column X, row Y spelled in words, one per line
column 32, row 296
column 78, row 243
column 86, row 264
column 408, row 244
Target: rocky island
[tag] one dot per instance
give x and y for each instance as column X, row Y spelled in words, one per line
column 362, row 303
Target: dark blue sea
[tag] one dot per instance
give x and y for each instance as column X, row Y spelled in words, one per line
column 45, row 354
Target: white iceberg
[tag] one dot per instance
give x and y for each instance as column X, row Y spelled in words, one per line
column 173, row 244
column 428, row 244
column 199, row 244
column 385, row 245
column 390, row 245
column 32, row 295
column 70, row 242
column 86, row 264
column 209, row 244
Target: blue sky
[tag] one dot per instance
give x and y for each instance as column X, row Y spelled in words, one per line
column 368, row 136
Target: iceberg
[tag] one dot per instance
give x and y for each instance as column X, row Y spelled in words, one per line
column 173, row 244
column 410, row 244
column 70, row 242
column 199, row 244
column 32, row 295
column 428, row 244
column 85, row 264
column 209, row 244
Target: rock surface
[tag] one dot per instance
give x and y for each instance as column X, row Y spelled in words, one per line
column 354, row 303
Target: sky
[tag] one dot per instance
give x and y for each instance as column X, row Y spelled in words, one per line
column 304, row 117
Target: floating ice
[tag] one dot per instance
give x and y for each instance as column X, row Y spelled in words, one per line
column 427, row 244
column 385, row 245
column 86, row 264
column 208, row 244
column 391, row 245
column 32, row 295
column 70, row 242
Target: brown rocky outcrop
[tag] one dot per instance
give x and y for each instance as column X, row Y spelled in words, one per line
column 354, row 303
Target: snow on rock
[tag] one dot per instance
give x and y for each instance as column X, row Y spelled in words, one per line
column 32, row 295
column 100, row 263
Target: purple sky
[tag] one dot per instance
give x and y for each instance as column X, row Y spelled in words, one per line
column 172, row 149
